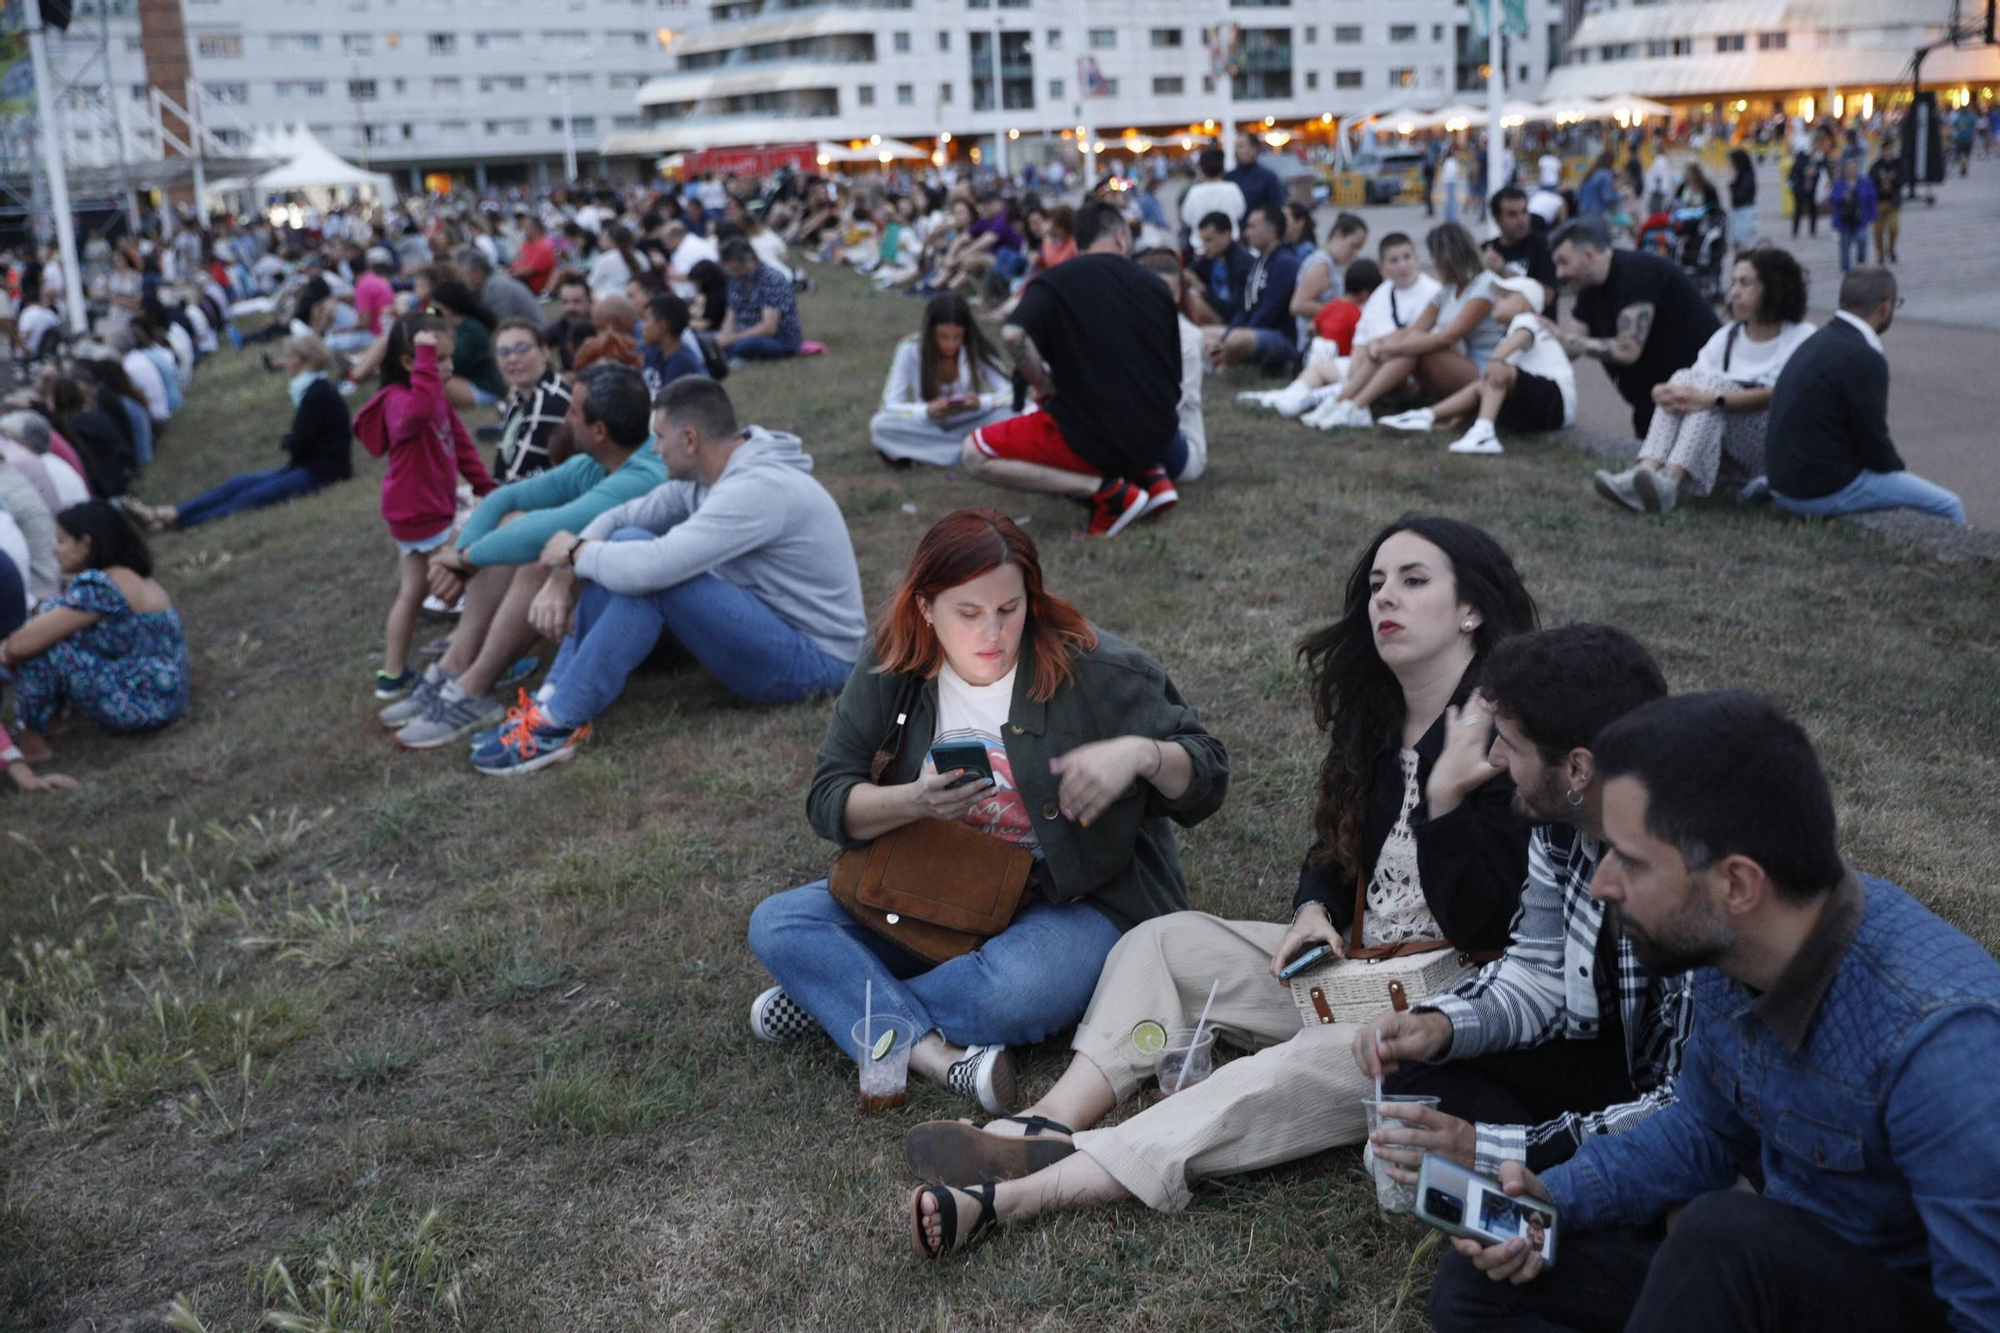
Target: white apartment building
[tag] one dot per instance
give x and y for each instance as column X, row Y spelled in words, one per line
column 790, row 71
column 1804, row 56
column 476, row 89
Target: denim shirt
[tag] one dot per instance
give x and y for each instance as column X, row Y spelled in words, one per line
column 1863, row 1086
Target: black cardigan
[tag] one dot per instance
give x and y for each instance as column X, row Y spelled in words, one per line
column 321, row 439
column 1829, row 415
column 1472, row 862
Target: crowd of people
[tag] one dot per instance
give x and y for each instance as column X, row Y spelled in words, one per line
column 1670, row 983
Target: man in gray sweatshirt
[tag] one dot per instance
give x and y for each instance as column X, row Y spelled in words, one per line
column 742, row 556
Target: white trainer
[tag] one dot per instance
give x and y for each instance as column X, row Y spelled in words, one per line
column 1481, row 439
column 1291, row 400
column 1417, row 421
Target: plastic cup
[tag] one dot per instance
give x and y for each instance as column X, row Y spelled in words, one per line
column 1390, row 1196
column 883, row 1078
column 1182, row 1051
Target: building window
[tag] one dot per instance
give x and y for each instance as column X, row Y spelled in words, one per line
column 944, row 94
column 1055, row 90
column 1771, row 41
column 1437, row 32
column 1167, row 37
column 1312, row 35
column 398, row 86
column 452, row 86
column 1402, row 32
column 503, row 41
column 906, row 94
column 506, row 83
column 1170, row 85
column 1312, row 79
column 454, row 127
column 1729, row 41
column 944, row 41
column 315, row 88
column 1402, row 77
column 357, row 43
column 223, row 92
column 1104, row 39
column 1347, row 78
column 1053, row 39
column 1347, row 34
column 219, row 45
column 442, row 43
column 409, row 130
column 361, row 90
column 865, row 95
column 902, row 43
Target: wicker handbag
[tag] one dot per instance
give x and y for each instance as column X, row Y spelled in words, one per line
column 938, row 888
column 1387, row 976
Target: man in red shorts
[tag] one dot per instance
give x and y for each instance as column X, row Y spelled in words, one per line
column 1097, row 340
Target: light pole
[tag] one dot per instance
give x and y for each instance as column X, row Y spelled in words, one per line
column 1496, row 94
column 49, row 106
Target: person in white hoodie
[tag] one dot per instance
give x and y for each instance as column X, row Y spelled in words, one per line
column 741, row 556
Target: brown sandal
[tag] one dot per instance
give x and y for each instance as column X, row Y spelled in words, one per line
column 953, row 1152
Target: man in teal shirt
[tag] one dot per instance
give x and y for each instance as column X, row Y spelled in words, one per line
column 493, row 562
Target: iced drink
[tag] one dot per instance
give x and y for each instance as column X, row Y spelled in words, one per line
column 882, row 1050
column 1390, row 1196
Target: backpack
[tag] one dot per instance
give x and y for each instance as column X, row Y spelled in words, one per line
column 1850, row 208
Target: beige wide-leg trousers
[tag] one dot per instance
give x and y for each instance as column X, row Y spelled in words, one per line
column 1299, row 1093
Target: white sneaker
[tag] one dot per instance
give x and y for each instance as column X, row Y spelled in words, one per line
column 1257, row 397
column 986, row 1075
column 1417, row 421
column 1481, row 439
column 1335, row 412
column 1291, row 400
column 776, row 1017
column 1347, row 413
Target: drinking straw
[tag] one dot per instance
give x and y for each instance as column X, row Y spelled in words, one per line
column 1199, row 1024
column 868, row 1018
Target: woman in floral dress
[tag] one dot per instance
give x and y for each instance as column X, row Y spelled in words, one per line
column 109, row 646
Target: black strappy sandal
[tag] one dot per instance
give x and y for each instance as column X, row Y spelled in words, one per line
column 947, row 1211
column 953, row 1152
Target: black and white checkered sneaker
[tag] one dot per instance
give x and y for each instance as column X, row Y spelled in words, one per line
column 984, row 1074
column 776, row 1017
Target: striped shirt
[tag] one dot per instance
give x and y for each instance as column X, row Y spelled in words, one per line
column 532, row 416
column 1548, row 986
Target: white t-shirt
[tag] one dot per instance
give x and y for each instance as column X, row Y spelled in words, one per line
column 71, row 489
column 1551, row 170
column 1205, row 197
column 1193, row 362
column 1546, row 358
column 1754, row 365
column 1487, row 333
column 1390, row 307
column 36, row 322
column 979, row 712
column 609, row 273
column 693, row 249
column 1546, row 204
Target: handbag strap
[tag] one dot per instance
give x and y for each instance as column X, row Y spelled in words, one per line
column 892, row 744
column 1379, row 952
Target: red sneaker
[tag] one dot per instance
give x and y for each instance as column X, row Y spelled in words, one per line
column 1113, row 508
column 1160, row 493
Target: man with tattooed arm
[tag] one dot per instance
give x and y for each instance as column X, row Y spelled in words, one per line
column 1643, row 317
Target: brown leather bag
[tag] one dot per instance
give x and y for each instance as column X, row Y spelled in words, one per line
column 938, row 888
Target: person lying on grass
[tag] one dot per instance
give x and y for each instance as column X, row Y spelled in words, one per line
column 1094, row 756
column 1407, row 805
column 109, row 647
column 495, row 561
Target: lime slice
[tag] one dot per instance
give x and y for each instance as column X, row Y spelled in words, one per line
column 882, row 1045
column 1149, row 1037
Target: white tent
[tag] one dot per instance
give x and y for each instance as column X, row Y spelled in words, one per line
column 304, row 164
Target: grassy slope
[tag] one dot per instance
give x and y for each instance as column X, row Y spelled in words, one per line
column 523, row 1002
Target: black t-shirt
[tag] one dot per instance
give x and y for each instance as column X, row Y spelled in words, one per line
column 1529, row 256
column 1682, row 320
column 1108, row 332
column 315, row 291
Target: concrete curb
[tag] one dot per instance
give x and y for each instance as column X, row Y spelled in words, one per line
column 1944, row 542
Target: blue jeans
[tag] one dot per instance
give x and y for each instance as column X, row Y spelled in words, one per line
column 1855, row 244
column 1031, row 979
column 251, row 490
column 762, row 349
column 741, row 641
column 1880, row 490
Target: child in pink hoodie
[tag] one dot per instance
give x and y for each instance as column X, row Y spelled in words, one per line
column 428, row 449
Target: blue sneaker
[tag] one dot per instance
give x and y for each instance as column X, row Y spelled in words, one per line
column 521, row 669
column 394, row 687
column 489, row 738
column 531, row 742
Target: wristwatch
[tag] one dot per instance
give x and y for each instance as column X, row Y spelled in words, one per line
column 574, row 547
column 1722, row 402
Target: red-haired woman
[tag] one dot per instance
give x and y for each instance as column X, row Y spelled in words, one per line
column 1093, row 752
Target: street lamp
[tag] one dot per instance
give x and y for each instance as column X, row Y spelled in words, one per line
column 563, row 64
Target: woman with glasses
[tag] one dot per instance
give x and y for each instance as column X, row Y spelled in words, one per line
column 537, row 401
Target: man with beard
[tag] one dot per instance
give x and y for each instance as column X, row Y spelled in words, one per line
column 1841, row 1054
column 1566, row 1036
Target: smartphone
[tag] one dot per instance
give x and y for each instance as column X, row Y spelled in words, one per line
column 969, row 755
column 1460, row 1203
column 1318, row 953
column 960, row 404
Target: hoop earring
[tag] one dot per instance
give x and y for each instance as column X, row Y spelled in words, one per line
column 1574, row 797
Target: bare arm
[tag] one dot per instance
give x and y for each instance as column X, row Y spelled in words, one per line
column 1635, row 323
column 1028, row 360
column 1310, row 294
column 44, row 632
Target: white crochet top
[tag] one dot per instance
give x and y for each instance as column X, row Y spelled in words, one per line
column 1396, row 907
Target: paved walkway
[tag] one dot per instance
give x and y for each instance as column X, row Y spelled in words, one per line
column 1944, row 352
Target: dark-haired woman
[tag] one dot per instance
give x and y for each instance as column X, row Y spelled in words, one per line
column 109, row 646
column 1093, row 752
column 945, row 383
column 476, row 380
column 1407, row 811
column 1742, row 200
column 1715, row 411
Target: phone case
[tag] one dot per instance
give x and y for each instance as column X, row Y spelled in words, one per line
column 1455, row 1180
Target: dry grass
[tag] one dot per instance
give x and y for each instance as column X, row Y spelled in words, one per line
column 282, row 990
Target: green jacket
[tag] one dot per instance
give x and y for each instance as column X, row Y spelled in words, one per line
column 1125, row 864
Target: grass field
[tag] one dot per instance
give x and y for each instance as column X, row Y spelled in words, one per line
column 475, row 1052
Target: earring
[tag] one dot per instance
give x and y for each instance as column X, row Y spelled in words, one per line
column 1574, row 797
column 1468, row 627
